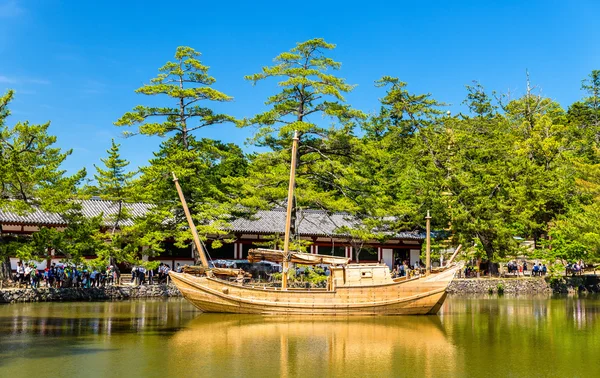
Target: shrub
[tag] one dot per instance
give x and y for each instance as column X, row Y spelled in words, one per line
column 500, row 289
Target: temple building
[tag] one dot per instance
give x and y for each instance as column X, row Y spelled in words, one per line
column 319, row 228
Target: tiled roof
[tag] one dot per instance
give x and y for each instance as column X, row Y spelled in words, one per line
column 109, row 209
column 35, row 217
column 89, row 208
column 309, row 222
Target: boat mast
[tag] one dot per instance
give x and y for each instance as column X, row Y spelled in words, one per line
column 288, row 217
column 197, row 243
column 428, row 245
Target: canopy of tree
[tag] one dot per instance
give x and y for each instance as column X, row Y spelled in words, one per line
column 504, row 170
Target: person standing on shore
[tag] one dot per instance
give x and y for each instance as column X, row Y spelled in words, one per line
column 20, row 273
column 27, row 277
column 520, row 270
column 35, row 277
column 141, row 275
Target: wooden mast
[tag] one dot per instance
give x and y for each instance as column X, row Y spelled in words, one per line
column 288, row 217
column 428, row 245
column 197, row 243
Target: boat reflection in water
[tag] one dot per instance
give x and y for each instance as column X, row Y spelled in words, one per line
column 235, row 345
column 472, row 337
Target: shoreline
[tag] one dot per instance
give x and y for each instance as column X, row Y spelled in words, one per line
column 525, row 285
column 528, row 286
column 94, row 294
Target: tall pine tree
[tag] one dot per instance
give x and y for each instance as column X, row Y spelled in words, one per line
column 186, row 82
column 114, row 182
column 30, row 173
column 309, row 91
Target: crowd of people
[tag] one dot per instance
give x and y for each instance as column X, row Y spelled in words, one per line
column 63, row 275
column 575, row 268
column 403, row 268
column 81, row 276
column 139, row 274
column 538, row 269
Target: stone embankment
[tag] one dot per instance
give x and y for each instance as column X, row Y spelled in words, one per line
column 91, row 294
column 526, row 285
column 532, row 285
column 572, row 284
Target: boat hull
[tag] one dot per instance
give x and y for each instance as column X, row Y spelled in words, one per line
column 413, row 297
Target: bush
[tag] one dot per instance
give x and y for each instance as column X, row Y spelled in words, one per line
column 490, row 290
column 500, row 289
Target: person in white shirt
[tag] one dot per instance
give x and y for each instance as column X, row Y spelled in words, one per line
column 27, row 274
column 20, row 273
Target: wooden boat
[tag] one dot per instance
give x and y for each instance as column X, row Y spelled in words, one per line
column 352, row 289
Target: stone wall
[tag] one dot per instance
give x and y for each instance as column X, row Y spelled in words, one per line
column 91, row 294
column 528, row 285
column 531, row 285
column 572, row 284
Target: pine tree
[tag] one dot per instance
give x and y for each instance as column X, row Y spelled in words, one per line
column 308, row 91
column 187, row 82
column 30, row 173
column 114, row 182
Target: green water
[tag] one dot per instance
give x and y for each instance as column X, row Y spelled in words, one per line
column 478, row 337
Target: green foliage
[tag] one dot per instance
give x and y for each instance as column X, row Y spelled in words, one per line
column 203, row 170
column 79, row 239
column 187, row 82
column 315, row 275
column 201, row 165
column 307, row 91
column 113, row 181
column 500, row 289
column 30, row 172
column 509, row 167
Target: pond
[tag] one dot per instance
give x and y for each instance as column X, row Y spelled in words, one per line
column 472, row 336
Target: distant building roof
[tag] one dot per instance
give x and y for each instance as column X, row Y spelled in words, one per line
column 90, row 208
column 309, row 222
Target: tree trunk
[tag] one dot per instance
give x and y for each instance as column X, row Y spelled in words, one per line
column 293, row 218
column 112, row 261
column 195, row 254
column 118, row 217
column 5, row 270
column 490, row 263
column 489, row 251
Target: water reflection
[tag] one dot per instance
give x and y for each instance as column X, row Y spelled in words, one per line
column 538, row 336
column 84, row 319
column 321, row 346
column 472, row 336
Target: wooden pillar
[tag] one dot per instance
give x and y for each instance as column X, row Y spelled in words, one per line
column 288, row 218
column 428, row 245
column 191, row 224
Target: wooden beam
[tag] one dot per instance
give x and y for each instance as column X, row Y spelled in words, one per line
column 288, row 216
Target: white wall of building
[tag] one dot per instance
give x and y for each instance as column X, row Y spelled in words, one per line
column 41, row 265
column 415, row 255
column 388, row 257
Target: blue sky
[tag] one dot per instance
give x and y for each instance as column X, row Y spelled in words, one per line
column 77, row 63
